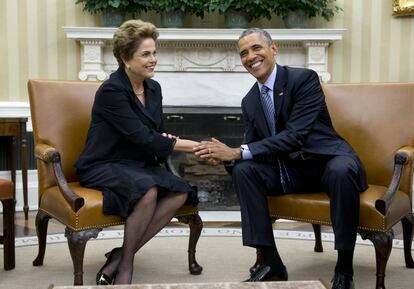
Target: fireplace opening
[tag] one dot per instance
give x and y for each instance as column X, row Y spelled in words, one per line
column 215, row 189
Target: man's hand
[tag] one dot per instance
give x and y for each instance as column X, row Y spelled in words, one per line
column 217, row 150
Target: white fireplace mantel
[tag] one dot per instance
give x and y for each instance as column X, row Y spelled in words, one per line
column 194, row 34
column 198, row 67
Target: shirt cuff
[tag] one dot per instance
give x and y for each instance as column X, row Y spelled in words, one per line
column 245, row 152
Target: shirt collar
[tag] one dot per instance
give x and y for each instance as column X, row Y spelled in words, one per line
column 270, row 81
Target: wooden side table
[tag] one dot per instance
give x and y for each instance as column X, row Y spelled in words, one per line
column 13, row 128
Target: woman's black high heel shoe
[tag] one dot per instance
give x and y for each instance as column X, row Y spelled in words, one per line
column 102, row 278
column 107, row 254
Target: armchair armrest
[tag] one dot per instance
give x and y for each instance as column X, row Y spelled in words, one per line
column 403, row 156
column 50, row 155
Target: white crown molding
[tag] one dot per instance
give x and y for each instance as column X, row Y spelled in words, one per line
column 196, row 34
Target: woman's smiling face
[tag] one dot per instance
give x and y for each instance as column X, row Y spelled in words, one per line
column 142, row 64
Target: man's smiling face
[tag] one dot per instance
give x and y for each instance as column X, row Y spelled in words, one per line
column 257, row 55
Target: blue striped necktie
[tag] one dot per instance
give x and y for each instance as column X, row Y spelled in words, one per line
column 269, row 110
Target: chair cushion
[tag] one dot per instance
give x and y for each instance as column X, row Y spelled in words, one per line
column 6, row 189
column 314, row 208
column 91, row 214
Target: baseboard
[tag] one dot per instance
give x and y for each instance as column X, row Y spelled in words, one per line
column 220, row 216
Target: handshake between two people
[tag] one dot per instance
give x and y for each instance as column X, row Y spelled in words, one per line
column 212, row 151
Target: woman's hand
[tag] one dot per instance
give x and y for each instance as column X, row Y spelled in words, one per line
column 185, row 145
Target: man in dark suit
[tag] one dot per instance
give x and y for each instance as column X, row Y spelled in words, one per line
column 290, row 147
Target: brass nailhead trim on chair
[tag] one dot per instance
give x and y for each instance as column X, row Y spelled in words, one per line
column 83, row 228
column 327, row 223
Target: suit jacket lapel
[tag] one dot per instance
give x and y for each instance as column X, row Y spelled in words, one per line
column 279, row 90
column 278, row 99
column 151, row 102
column 260, row 118
column 150, row 97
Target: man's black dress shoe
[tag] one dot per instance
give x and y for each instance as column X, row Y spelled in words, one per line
column 342, row 281
column 264, row 273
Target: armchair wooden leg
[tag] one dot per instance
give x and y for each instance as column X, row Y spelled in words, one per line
column 77, row 243
column 8, row 228
column 196, row 226
column 42, row 221
column 408, row 228
column 383, row 246
column 318, row 238
column 259, row 261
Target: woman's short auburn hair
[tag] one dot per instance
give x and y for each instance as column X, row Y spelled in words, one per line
column 129, row 36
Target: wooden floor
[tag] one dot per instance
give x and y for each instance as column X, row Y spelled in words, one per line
column 27, row 228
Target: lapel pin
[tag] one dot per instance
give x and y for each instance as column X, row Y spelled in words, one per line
column 280, row 93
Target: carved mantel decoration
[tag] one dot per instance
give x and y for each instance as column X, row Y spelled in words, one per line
column 402, row 7
column 200, row 59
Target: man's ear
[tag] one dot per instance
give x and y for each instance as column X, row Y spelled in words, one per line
column 274, row 47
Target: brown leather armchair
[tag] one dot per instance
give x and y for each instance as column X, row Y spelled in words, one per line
column 60, row 112
column 7, row 199
column 378, row 121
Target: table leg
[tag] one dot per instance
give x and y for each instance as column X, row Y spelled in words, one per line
column 24, row 165
column 13, row 162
